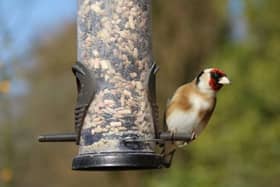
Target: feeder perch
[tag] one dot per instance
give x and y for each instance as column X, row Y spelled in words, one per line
column 116, row 115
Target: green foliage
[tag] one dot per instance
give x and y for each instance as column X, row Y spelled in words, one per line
column 240, row 147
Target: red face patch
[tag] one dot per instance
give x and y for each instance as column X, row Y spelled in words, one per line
column 214, row 85
column 215, row 75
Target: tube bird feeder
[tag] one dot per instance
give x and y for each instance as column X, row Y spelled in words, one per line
column 116, row 116
column 114, row 45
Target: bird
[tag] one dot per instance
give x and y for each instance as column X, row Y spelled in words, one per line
column 192, row 105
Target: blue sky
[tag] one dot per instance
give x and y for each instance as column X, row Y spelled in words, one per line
column 25, row 19
column 237, row 20
column 21, row 21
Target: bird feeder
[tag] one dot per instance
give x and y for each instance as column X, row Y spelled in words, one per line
column 116, row 115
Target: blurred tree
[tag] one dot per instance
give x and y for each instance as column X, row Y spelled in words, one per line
column 241, row 144
column 10, row 152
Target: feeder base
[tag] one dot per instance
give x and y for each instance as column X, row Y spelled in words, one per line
column 117, row 161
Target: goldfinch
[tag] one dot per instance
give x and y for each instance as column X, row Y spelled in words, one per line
column 192, row 104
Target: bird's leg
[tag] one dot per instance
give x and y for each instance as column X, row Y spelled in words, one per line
column 172, row 137
column 173, row 132
column 193, row 136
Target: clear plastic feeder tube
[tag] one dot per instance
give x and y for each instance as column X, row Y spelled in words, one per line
column 114, row 42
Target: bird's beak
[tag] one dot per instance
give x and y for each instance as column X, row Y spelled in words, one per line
column 224, row 80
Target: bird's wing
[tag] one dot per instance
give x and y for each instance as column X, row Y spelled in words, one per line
column 168, row 102
column 205, row 118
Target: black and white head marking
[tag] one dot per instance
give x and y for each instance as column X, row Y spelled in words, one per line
column 198, row 77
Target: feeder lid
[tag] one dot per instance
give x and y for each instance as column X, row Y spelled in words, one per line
column 117, row 161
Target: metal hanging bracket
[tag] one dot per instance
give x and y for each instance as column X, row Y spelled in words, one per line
column 86, row 86
column 151, row 85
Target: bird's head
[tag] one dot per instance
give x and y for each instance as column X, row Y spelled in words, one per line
column 211, row 80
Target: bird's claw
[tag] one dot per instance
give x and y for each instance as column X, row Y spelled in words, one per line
column 193, row 136
column 173, row 132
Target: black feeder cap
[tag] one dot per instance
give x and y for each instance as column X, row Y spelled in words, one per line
column 117, row 161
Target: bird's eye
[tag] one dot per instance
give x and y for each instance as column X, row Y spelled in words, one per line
column 215, row 75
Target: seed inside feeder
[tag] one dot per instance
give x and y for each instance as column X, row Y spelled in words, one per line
column 114, row 43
